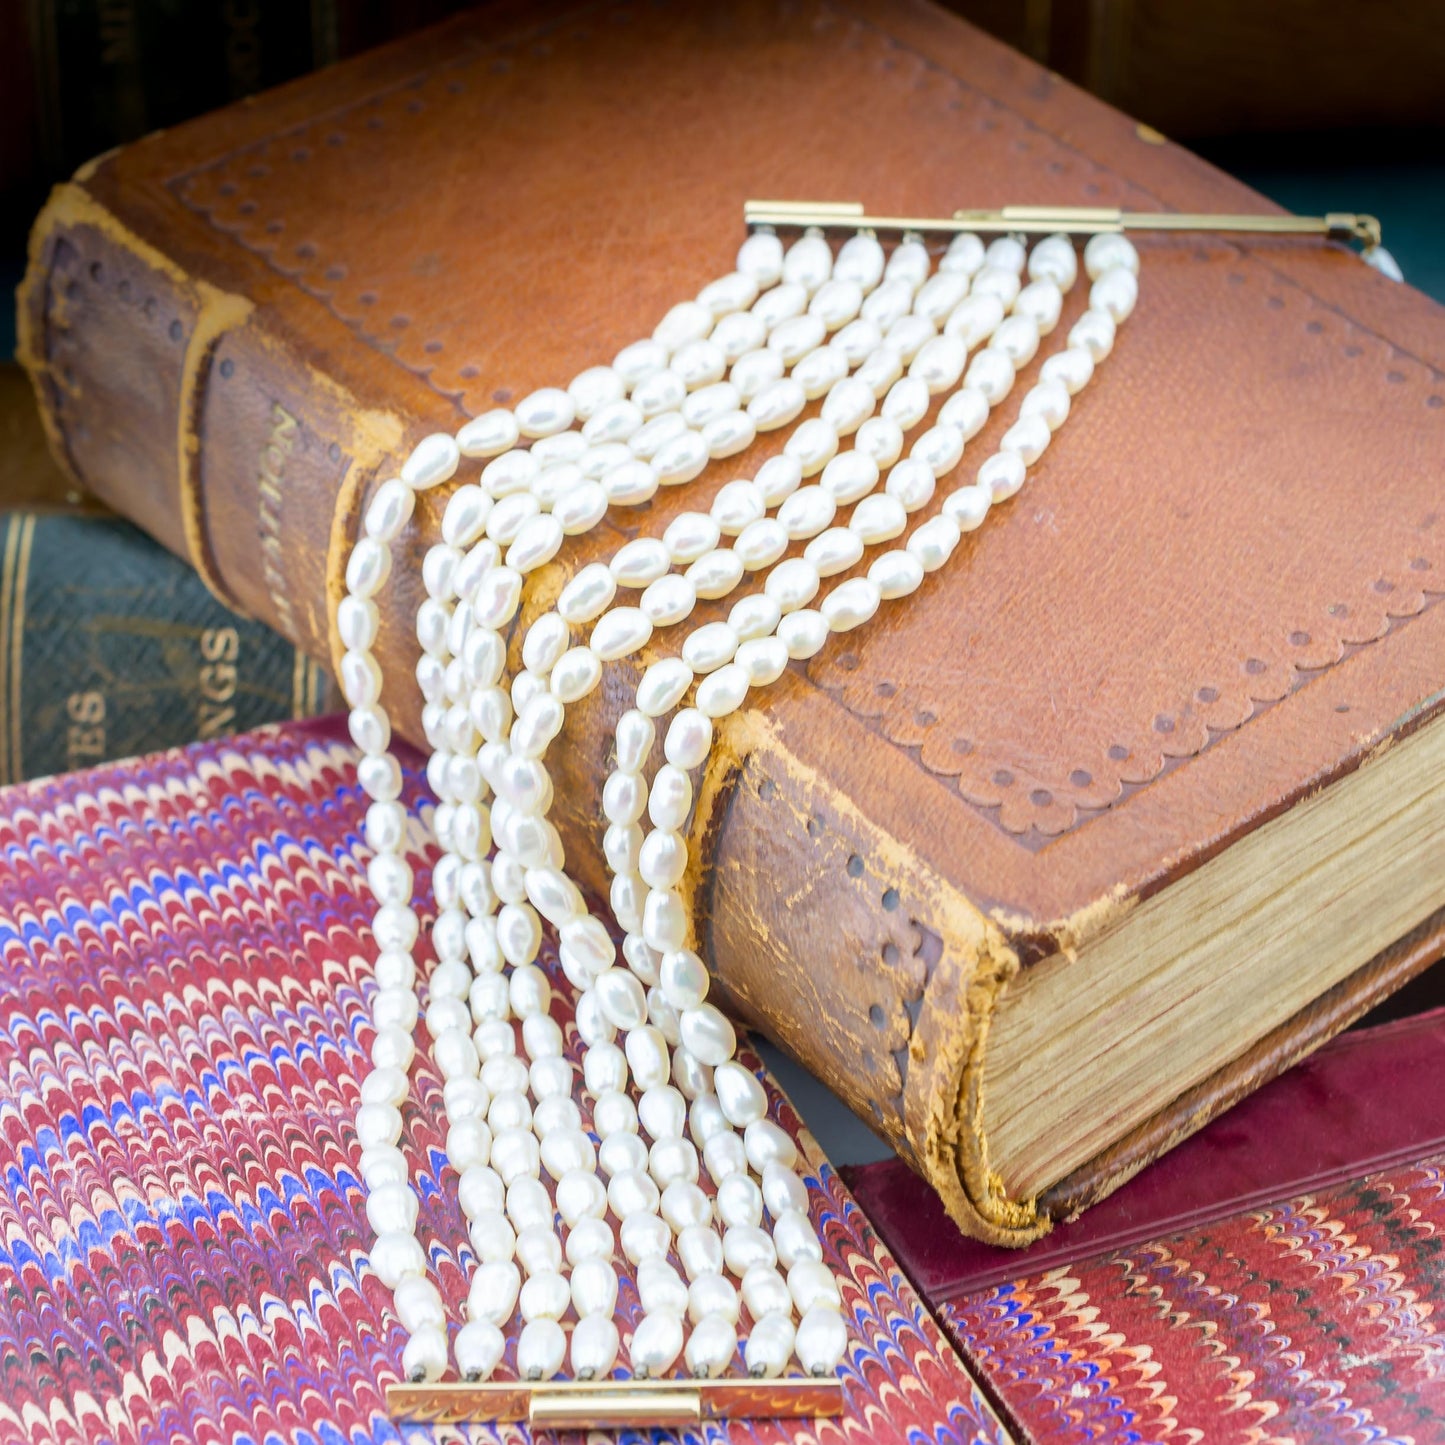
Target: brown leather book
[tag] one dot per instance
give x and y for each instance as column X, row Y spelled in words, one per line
column 1136, row 802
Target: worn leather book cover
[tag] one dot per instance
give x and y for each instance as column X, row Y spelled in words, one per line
column 1217, row 599
column 184, row 1018
column 1274, row 1279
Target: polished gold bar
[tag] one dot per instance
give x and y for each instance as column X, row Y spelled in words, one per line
column 1074, row 220
column 611, row 1404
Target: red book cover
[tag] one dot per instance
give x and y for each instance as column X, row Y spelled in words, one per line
column 183, row 1020
column 1278, row 1277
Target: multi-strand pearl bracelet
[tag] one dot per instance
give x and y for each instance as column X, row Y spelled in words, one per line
column 783, row 329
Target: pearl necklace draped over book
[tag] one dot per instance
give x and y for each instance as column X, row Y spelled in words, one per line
column 877, row 338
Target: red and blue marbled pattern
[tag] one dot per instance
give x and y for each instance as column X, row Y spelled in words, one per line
column 1317, row 1321
column 182, row 1026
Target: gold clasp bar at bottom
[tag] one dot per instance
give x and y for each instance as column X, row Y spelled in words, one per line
column 609, row 1404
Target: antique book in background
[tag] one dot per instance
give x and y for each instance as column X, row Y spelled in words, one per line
column 1131, row 806
column 185, row 987
column 111, row 646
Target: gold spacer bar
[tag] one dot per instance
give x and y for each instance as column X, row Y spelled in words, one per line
column 1074, row 220
column 610, row 1404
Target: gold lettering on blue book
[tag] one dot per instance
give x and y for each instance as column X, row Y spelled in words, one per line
column 270, row 473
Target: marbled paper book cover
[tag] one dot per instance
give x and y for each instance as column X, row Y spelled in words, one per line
column 183, row 1244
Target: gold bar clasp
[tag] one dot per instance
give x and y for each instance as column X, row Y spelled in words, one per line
column 1072, row 220
column 611, row 1404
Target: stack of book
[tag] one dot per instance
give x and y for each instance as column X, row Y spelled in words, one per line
column 1133, row 808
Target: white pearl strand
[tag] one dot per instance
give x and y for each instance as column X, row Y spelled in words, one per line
column 716, row 1025
column 479, row 1346
column 417, row 1308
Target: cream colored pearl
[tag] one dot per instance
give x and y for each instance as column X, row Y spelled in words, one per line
column 425, row 1355
column 856, row 340
column 747, row 1247
column 795, row 1238
column 814, row 443
column 723, row 691
column 765, row 1292
column 892, row 300
column 738, row 334
column 1071, row 368
column 908, row 335
column 811, row 1284
column 635, row 734
column 668, row 600
column 849, row 476
column 1108, row 251
column 821, row 370
column 739, row 1093
column 965, row 255
column 938, row 364
column 680, row 458
column 821, row 1340
column 544, row 412
column 975, row 319
column 777, row 404
column 1094, row 332
column 807, row 512
column 389, row 510
column 754, row 616
column 940, row 447
column 754, row 371
column 760, row 543
column 881, row 439
column 1053, row 259
column 619, row 633
column 541, row 1349
column 689, row 535
column 707, row 1034
column 575, row 675
column 1029, row 437
column 792, row 584
column 780, row 304
column 763, row 659
column 992, row 373
column 834, row 551
column 708, row 647
column 729, row 434
column 367, row 568
column 729, row 293
column 689, row 739
column 711, row 1346
column 663, row 859
column 663, row 685
column 1041, row 302
column 589, row 1238
column 433, row 461
column 992, row 281
column 622, row 998
column 698, row 363
column 794, row 338
column 511, row 472
column 878, row 518
column 715, row 573
column 488, row 435
column 966, row 411
column 1115, row 292
column 939, row 295
column 1048, row 400
column 803, row 633
column 777, row 478
column 912, row 481
column 896, row 574
column 656, row 1344
column 808, row 261
column 613, row 422
column 397, row 1256
column 645, row 1236
column 687, row 321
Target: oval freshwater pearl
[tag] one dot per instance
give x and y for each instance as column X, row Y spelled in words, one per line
column 723, row 691
column 1094, row 332
column 1053, row 259
column 698, row 363
column 739, row 1093
column 727, row 435
column 780, row 304
column 425, row 1355
column 1049, row 400
column 792, row 584
column 821, row 1340
column 909, row 263
column 820, row 371
column 434, row 460
column 794, row 338
column 656, row 1344
column 833, row 551
column 811, row 1283
column 1115, row 292
column 1029, row 437
column 896, row 574
column 541, row 1349
column 754, row 616
column 739, row 1201
column 891, row 301
column 1108, row 251
column 729, row 293
column 680, row 458
column 814, row 443
column 418, row 1304
column 488, row 435
column 687, row 321
column 964, row 255
column 396, row 1256
column 848, row 476
column 595, row 1344
column 544, row 412
column 776, row 404
column 620, row 632
column 663, row 685
column 856, row 340
column 389, row 510
column 861, row 260
column 760, row 543
column 747, row 1247
column 1041, row 302
column 763, row 659
column 668, row 600
column 689, row 739
column 769, row 1345
column 711, row 1346
column 589, row 1238
column 715, row 573
column 1071, row 368
column 765, row 1292
column 878, row 518
column 795, row 1238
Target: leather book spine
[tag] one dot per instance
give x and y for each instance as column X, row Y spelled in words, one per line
column 110, row 648
column 171, row 400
